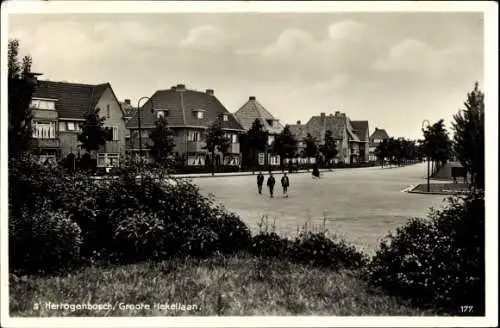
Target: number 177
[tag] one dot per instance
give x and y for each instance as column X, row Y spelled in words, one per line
column 466, row 308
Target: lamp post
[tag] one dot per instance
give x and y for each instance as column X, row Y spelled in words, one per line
column 427, row 153
column 139, row 122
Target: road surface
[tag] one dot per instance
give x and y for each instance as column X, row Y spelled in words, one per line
column 361, row 205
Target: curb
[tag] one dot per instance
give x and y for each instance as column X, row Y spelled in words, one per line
column 236, row 174
column 411, row 189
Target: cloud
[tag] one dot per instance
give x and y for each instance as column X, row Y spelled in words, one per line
column 347, row 30
column 415, row 55
column 289, row 42
column 206, row 37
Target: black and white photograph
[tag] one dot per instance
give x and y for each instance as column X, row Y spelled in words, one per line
column 249, row 164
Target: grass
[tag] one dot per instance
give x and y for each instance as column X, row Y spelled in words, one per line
column 444, row 188
column 233, row 286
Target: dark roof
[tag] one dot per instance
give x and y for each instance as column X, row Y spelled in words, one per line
column 73, row 99
column 296, row 129
column 252, row 110
column 361, row 129
column 181, row 106
column 318, row 125
column 379, row 134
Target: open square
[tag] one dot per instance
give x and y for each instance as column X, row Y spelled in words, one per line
column 361, row 205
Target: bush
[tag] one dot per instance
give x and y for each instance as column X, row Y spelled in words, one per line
column 269, row 244
column 44, row 242
column 139, row 236
column 318, row 250
column 437, row 262
column 233, row 234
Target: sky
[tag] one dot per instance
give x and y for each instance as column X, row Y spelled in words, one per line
column 393, row 69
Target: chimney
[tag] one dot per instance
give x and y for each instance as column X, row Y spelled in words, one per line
column 172, row 88
column 337, row 113
column 181, row 87
column 251, row 98
column 376, row 129
column 322, row 115
column 127, row 101
column 209, row 92
column 298, row 122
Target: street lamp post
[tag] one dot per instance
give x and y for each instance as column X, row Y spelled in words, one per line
column 139, row 122
column 427, row 155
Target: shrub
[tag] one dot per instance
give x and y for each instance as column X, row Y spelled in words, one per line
column 139, row 236
column 318, row 250
column 233, row 234
column 269, row 244
column 437, row 262
column 200, row 242
column 44, row 242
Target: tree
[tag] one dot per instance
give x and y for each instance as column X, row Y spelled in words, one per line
column 437, row 144
column 20, row 90
column 163, row 141
column 285, row 144
column 329, row 148
column 256, row 139
column 216, row 140
column 468, row 140
column 94, row 134
column 382, row 151
column 311, row 149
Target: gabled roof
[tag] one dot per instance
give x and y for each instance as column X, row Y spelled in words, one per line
column 361, row 129
column 74, row 100
column 318, row 125
column 181, row 104
column 379, row 134
column 252, row 110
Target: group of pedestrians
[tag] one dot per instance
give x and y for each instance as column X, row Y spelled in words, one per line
column 271, row 181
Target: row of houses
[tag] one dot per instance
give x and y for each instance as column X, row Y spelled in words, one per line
column 60, row 107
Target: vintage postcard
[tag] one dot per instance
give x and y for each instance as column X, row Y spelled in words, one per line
column 249, row 164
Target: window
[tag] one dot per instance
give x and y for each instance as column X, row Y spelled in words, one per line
column 159, row 114
column 235, row 138
column 270, row 122
column 108, row 114
column 193, row 135
column 43, row 104
column 62, row 126
column 44, row 130
column 225, row 117
column 108, row 159
column 115, row 133
column 71, row 126
column 199, row 115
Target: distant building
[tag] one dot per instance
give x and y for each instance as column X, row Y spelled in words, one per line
column 376, row 138
column 248, row 113
column 253, row 110
column 189, row 114
column 351, row 136
column 60, row 107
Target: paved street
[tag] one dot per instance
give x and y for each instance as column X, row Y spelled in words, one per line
column 361, row 205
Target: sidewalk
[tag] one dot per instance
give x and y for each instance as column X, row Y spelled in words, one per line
column 234, row 174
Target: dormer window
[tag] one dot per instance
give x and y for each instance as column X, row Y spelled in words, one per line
column 199, row 113
column 225, row 117
column 160, row 114
column 47, row 104
column 270, row 122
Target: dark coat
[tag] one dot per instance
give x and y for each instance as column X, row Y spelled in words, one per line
column 271, row 182
column 260, row 179
column 285, row 182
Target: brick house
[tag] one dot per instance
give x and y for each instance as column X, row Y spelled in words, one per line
column 351, row 136
column 60, row 107
column 376, row 138
column 252, row 110
column 189, row 114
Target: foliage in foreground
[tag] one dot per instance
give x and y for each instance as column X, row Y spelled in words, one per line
column 437, row 262
column 221, row 285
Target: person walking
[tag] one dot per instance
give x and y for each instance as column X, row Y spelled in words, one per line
column 270, row 183
column 260, row 182
column 285, row 183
